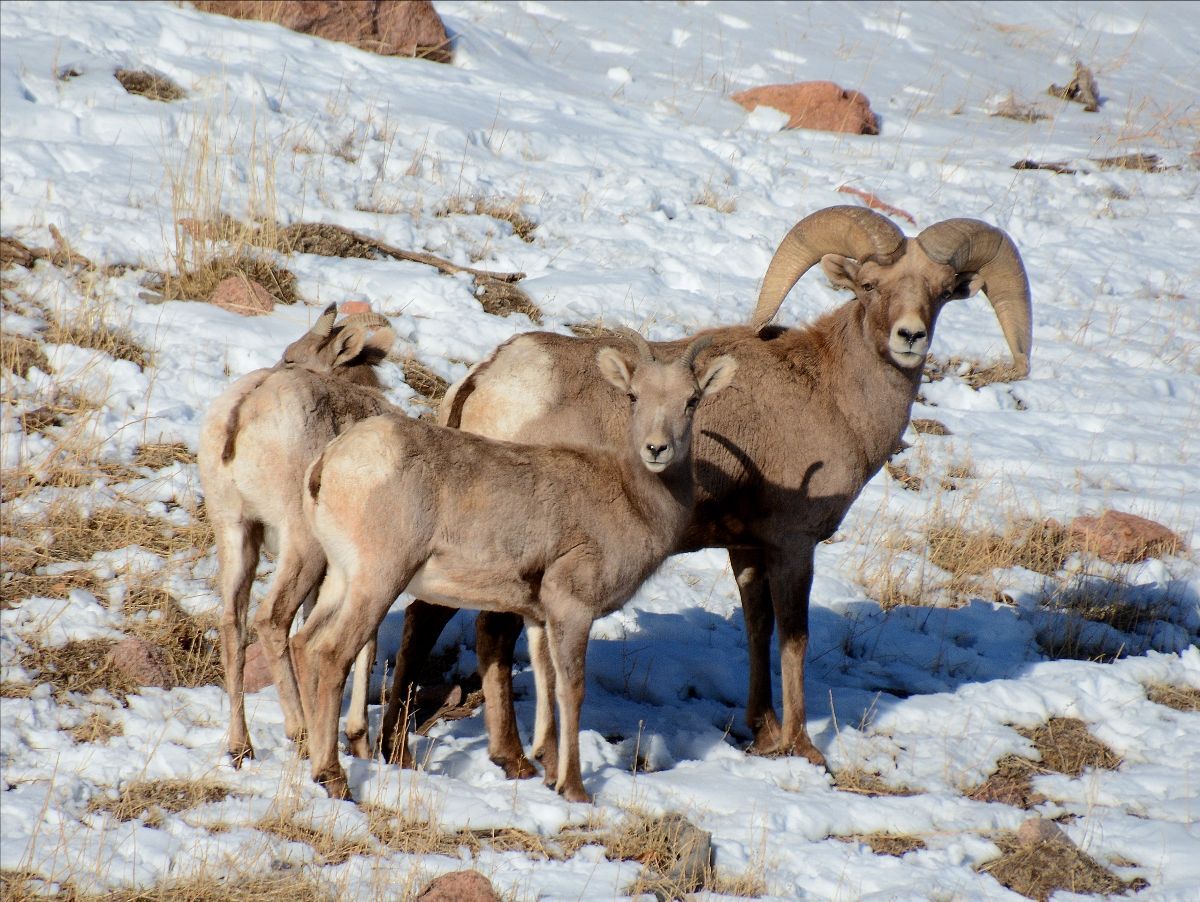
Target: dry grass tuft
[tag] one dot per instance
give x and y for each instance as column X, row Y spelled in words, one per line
column 972, row 372
column 197, row 283
column 188, row 643
column 1093, row 599
column 147, row 84
column 589, row 330
column 901, row 474
column 865, row 783
column 414, row 837
column 894, row 844
column 64, row 533
column 504, row 299
column 331, row 849
column 1065, row 747
column 709, row 198
column 18, row 584
column 1011, row 108
column 497, row 208
column 96, row 728
column 291, row 885
column 18, row 354
column 81, row 666
column 156, row 798
column 924, row 426
column 1181, row 698
column 424, row 381
column 324, row 240
column 1140, row 162
column 157, row 455
column 1041, row 546
column 93, row 331
column 1038, row 870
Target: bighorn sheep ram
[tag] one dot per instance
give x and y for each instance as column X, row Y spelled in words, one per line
column 814, row 413
column 256, row 441
column 556, row 535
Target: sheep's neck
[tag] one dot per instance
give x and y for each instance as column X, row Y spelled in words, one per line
column 874, row 395
column 664, row 501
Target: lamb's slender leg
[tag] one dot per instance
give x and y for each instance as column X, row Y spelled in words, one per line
column 357, row 723
column 298, row 572
column 495, row 636
column 791, row 582
column 237, row 555
column 328, row 603
column 423, row 623
column 568, row 640
column 749, row 568
column 545, row 734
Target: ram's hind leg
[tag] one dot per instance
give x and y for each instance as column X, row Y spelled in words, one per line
column 238, row 543
column 423, row 623
column 495, row 637
column 749, row 568
column 298, row 572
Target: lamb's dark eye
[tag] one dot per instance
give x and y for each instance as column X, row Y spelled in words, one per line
column 632, row 398
column 692, row 403
column 868, row 286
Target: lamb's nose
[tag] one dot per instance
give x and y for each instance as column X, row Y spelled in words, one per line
column 655, row 450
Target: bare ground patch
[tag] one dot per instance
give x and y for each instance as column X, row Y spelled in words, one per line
column 1181, row 698
column 150, row 85
column 1038, row 870
column 894, row 844
column 152, row 799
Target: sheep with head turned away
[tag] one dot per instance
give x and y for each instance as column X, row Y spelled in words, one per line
column 558, row 535
column 813, row 414
column 256, row 441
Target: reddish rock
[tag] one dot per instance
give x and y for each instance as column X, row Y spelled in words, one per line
column 142, row 662
column 242, row 295
column 386, row 27
column 820, row 105
column 349, row 307
column 1038, row 830
column 256, row 675
column 1123, row 538
column 459, row 886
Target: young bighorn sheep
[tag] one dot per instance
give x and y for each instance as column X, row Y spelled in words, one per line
column 814, row 413
column 256, row 441
column 556, row 535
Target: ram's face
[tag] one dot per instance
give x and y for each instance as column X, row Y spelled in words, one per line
column 902, row 300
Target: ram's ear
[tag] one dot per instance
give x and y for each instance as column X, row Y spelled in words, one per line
column 967, row 285
column 842, row 271
column 718, row 375
column 616, row 368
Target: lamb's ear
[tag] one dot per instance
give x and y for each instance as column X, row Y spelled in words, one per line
column 718, row 375
column 842, row 271
column 348, row 344
column 616, row 368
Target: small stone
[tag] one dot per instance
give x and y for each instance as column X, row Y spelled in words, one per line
column 243, row 295
column 820, row 105
column 459, row 886
column 142, row 662
column 1121, row 538
column 256, row 675
column 1038, row 830
column 349, row 307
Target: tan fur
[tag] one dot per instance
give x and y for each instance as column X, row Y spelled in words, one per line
column 256, row 441
column 557, row 535
column 811, row 416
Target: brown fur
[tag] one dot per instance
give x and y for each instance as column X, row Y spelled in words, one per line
column 557, row 535
column 812, row 415
column 277, row 420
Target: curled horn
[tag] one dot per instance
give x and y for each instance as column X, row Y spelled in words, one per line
column 324, row 324
column 972, row 246
column 851, row 231
column 370, row 319
column 688, row 358
column 639, row 342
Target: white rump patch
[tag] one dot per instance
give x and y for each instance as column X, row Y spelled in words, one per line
column 515, row 389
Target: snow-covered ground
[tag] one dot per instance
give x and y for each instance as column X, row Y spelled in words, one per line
column 658, row 203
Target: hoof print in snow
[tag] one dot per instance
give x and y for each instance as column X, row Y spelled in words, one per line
column 459, row 886
column 819, row 105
